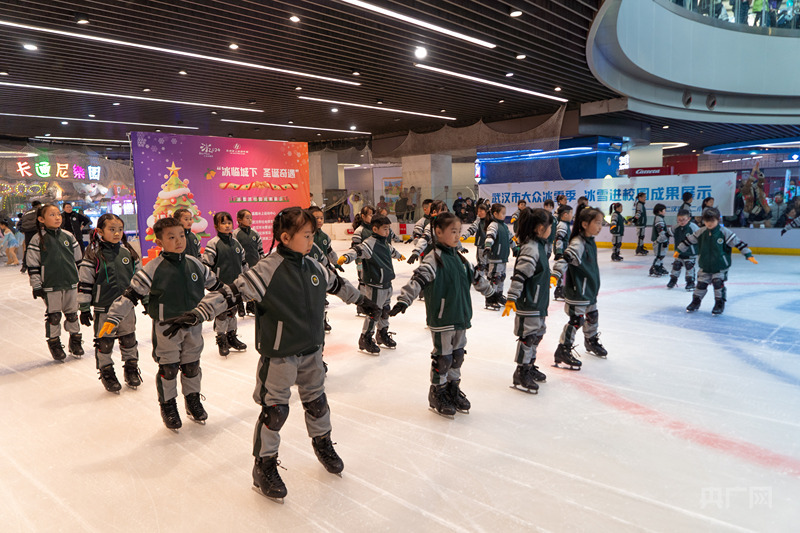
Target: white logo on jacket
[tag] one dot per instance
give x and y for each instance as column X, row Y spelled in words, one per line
column 126, row 260
column 314, row 280
column 194, row 276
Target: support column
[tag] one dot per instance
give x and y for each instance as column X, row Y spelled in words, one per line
column 430, row 175
column 324, row 173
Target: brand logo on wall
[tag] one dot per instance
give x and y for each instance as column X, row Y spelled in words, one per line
column 651, row 171
column 207, row 150
column 237, row 150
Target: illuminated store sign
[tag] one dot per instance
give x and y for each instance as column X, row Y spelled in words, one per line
column 64, row 171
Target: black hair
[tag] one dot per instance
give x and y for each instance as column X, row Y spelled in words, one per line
column 641, row 194
column 222, row 216
column 684, row 213
column 711, row 213
column 658, row 208
column 290, row 220
column 241, row 213
column 178, row 213
column 427, row 201
column 164, row 223
column 561, row 197
column 39, row 226
column 522, row 202
column 439, row 206
column 584, row 213
column 562, row 209
column 443, row 221
column 314, row 209
column 549, row 201
column 496, row 208
column 65, row 204
column 583, row 200
column 92, row 252
column 687, row 196
column 359, row 218
column 377, row 222
column 529, row 222
column 35, row 203
column 708, row 199
column 613, row 208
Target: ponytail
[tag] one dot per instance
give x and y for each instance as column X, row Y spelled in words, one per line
column 584, row 213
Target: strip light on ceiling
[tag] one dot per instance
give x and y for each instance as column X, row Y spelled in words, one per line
column 291, row 126
column 103, row 121
column 418, row 22
column 379, row 108
column 171, row 51
column 145, row 98
column 110, row 141
column 489, row 82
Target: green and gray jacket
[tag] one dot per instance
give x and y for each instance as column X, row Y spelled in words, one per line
column 530, row 284
column 376, row 255
column 52, row 259
column 562, row 238
column 361, row 234
column 714, row 247
column 289, row 290
column 583, row 274
column 420, row 225
column 681, row 232
column 660, row 233
column 553, row 230
column 104, row 279
column 498, row 242
column 321, row 250
column 251, row 242
column 175, row 284
column 225, row 256
column 445, row 276
column 639, row 214
column 617, row 224
column 192, row 243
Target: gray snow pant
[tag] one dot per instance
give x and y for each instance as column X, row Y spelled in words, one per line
column 274, row 380
column 688, row 264
column 529, row 330
column 717, row 280
column 181, row 352
column 579, row 315
column 640, row 231
column 616, row 243
column 382, row 298
column 226, row 321
column 659, row 251
column 497, row 276
column 447, row 355
column 59, row 302
column 125, row 333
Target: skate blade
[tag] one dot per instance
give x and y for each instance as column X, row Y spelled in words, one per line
column 523, row 389
column 463, row 411
column 276, row 500
column 567, row 367
column 175, row 430
column 598, row 355
column 76, row 356
column 193, row 419
column 449, row 417
column 133, row 387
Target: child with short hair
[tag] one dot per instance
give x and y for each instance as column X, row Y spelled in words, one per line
column 376, row 254
column 640, row 221
column 422, row 223
column 687, row 201
column 186, row 218
column 563, row 231
column 617, row 230
column 172, row 283
column 660, row 238
column 478, row 228
column 714, row 243
column 253, row 247
column 289, row 290
column 52, row 259
column 549, row 206
column 688, row 258
column 225, row 256
column 497, row 248
column 529, row 295
column 581, row 287
column 445, row 276
column 108, row 266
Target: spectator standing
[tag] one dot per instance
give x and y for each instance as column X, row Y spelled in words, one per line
column 28, row 226
column 74, row 222
column 778, row 209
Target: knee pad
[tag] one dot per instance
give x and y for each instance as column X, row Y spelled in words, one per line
column 531, row 340
column 54, row 318
column 689, row 265
column 169, row 371
column 317, row 408
column 702, row 285
column 576, row 321
column 442, row 363
column 274, row 416
column 385, row 312
column 71, row 317
column 718, row 283
column 591, row 317
column 128, row 341
column 458, row 358
column 104, row 344
column 191, row 370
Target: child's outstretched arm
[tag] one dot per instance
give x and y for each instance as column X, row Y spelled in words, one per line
column 424, row 274
column 688, row 242
column 491, row 236
column 735, row 242
column 209, row 257
column 124, row 304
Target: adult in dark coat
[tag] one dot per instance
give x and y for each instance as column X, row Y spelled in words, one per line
column 74, row 222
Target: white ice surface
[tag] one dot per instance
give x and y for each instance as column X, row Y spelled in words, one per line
column 691, row 424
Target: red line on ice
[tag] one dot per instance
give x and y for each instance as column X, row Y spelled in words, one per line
column 742, row 450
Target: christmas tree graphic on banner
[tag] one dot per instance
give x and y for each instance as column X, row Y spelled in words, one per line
column 174, row 195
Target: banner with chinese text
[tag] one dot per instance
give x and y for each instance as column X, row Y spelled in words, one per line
column 211, row 174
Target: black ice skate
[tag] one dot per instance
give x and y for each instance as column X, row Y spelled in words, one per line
column 593, row 346
column 170, row 416
column 323, row 447
column 673, row 281
column 133, row 378
column 440, row 402
column 558, row 294
column 235, row 343
column 76, row 345
column 564, row 355
column 537, row 376
column 195, row 409
column 689, row 285
column 384, row 337
column 367, row 344
column 56, row 349
column 641, row 250
column 327, row 326
column 457, row 396
column 492, row 305
column 267, row 480
column 109, row 379
column 222, row 343
column 523, row 380
column 655, row 272
column 615, row 257
column 695, row 305
column 663, row 270
column 250, row 308
column 719, row 307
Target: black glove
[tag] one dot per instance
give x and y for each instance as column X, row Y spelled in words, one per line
column 369, row 307
column 464, row 250
column 398, row 308
column 784, row 230
column 339, row 267
column 186, row 320
column 413, row 258
column 86, row 318
column 240, row 309
column 515, row 251
column 38, row 293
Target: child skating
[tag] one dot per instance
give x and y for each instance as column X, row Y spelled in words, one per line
column 497, row 248
column 617, row 230
column 686, row 259
column 640, row 221
column 253, row 247
column 549, row 206
column 322, row 251
column 186, row 218
column 660, row 238
column 563, row 231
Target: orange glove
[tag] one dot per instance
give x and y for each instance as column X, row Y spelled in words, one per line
column 107, row 328
column 752, row 260
column 510, row 306
column 401, row 258
column 342, row 260
column 553, row 281
column 463, row 238
column 676, row 254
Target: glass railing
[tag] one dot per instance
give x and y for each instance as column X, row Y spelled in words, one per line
column 777, row 14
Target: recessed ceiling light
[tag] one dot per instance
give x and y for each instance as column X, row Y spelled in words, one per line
column 213, row 112
column 512, row 12
column 442, row 110
column 31, row 47
column 158, row 131
column 665, row 127
column 147, row 90
column 693, row 151
column 233, row 46
column 363, row 106
column 182, row 72
column 80, row 18
column 118, row 42
column 64, row 122
column 91, row 115
column 334, row 110
column 114, row 141
column 47, row 135
column 356, row 73
column 509, row 74
column 298, row 88
column 352, row 127
column 420, row 52
column 291, row 122
column 294, row 18
column 557, row 89
column 3, row 73
column 500, row 101
column 145, row 98
column 489, row 82
column 396, row 119
column 521, row 56
column 102, row 121
column 290, row 126
column 418, row 22
column 319, row 135
column 379, row 101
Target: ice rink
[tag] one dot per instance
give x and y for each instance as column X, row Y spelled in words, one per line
column 691, row 424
